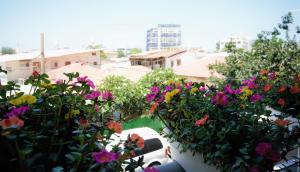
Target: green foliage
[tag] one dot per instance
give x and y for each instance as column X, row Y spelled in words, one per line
column 103, row 55
column 135, row 51
column 129, row 98
column 120, row 53
column 229, row 47
column 157, row 78
column 7, row 50
column 270, row 51
column 59, row 127
column 144, row 121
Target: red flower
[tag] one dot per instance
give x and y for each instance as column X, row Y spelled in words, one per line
column 139, row 141
column 35, row 73
column 11, row 121
column 282, row 122
column 263, row 72
column 83, row 122
column 282, row 89
column 267, row 87
column 281, row 102
column 153, row 107
column 202, row 121
column 220, row 99
column 114, row 126
column 294, row 90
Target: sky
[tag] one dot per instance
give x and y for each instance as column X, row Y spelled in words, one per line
column 123, row 23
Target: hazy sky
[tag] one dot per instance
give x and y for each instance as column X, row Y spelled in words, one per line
column 123, row 23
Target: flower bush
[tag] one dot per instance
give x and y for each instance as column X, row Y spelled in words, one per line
column 62, row 127
column 230, row 126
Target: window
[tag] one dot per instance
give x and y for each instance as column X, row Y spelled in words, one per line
column 93, row 53
column 24, row 64
column 178, row 62
column 54, row 64
column 151, row 145
column 172, row 63
column 95, row 63
column 67, row 63
column 139, row 63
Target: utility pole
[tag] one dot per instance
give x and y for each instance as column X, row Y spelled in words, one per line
column 42, row 54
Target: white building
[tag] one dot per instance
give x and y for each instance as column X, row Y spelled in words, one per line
column 165, row 36
column 21, row 66
column 239, row 42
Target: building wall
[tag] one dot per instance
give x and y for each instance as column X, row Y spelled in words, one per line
column 22, row 69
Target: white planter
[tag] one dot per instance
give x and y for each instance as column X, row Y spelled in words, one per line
column 189, row 162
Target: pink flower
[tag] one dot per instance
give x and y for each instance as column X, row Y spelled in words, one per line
column 17, row 111
column 263, row 148
column 188, row 85
column 150, row 97
column 256, row 97
column 86, row 81
column 151, row 169
column 93, row 95
column 220, row 99
column 271, row 75
column 168, row 88
column 250, row 82
column 202, row 89
column 229, row 90
column 154, row 90
column 59, row 81
column 104, row 157
column 107, row 95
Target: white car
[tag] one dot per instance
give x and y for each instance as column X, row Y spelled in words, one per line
column 156, row 150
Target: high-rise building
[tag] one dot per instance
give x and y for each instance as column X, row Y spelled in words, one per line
column 164, row 36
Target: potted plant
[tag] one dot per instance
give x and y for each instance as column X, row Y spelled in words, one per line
column 229, row 127
column 61, row 127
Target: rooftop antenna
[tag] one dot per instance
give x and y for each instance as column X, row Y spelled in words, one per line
column 42, row 53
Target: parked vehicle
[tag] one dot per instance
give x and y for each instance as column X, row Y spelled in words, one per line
column 156, row 150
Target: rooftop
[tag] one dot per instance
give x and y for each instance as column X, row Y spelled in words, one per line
column 157, row 54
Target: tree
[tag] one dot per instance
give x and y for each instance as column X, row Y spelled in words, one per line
column 7, row 50
column 135, row 51
column 103, row 55
column 121, row 53
column 270, row 51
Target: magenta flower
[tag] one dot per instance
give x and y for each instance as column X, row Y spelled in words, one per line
column 250, row 82
column 256, row 97
column 59, row 81
column 17, row 111
column 107, row 95
column 93, row 95
column 168, row 88
column 151, row 169
column 86, row 81
column 154, row 90
column 150, row 97
column 271, row 75
column 228, row 89
column 104, row 157
column 220, row 99
column 188, row 85
column 263, row 148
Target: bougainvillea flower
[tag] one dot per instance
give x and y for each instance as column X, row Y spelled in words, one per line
column 263, row 72
column 12, row 121
column 93, row 95
column 115, row 126
column 151, row 169
column 272, row 75
column 202, row 121
column 153, row 107
column 256, row 97
column 139, row 141
column 17, row 111
column 282, row 122
column 282, row 89
column 294, row 90
column 220, row 99
column 107, row 96
column 104, row 156
column 263, row 148
column 281, row 102
column 267, row 87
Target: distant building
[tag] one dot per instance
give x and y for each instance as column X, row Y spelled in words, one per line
column 238, row 41
column 21, row 66
column 165, row 36
column 158, row 59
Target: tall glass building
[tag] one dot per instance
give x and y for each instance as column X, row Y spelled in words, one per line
column 164, row 36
